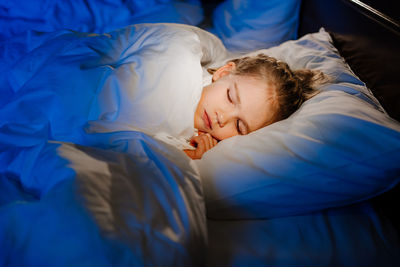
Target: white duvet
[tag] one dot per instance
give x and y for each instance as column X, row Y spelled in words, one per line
column 145, row 77
column 78, row 156
column 153, row 80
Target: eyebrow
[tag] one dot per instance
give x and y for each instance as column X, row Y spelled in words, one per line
column 238, row 100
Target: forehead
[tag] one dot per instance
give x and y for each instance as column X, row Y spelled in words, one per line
column 256, row 96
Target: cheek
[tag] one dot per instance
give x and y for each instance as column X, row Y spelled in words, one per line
column 214, row 95
column 224, row 133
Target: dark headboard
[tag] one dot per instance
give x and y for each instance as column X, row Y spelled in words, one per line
column 367, row 37
column 364, row 17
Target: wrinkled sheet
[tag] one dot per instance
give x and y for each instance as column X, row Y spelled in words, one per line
column 93, row 15
column 77, row 83
column 24, row 23
column 124, row 204
column 79, row 183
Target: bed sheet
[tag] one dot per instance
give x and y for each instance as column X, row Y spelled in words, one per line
column 97, row 16
column 24, row 24
column 352, row 236
column 133, row 202
column 80, row 186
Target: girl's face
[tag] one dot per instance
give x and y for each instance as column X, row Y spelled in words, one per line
column 233, row 105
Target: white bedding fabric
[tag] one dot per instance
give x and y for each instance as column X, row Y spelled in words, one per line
column 23, row 23
column 68, row 138
column 147, row 87
column 143, row 194
column 130, row 201
column 133, row 80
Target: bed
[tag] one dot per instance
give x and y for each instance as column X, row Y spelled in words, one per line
column 92, row 171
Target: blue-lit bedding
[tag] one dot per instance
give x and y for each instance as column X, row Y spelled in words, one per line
column 24, row 24
column 352, row 236
column 81, row 83
column 82, row 180
column 77, row 178
column 124, row 205
column 92, row 171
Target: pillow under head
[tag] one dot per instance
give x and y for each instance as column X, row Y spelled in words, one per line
column 339, row 148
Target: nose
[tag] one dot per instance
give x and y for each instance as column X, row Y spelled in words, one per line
column 224, row 117
column 220, row 118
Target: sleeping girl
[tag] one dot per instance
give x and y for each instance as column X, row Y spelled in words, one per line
column 124, row 81
column 247, row 94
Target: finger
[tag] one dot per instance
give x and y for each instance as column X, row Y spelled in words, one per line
column 194, row 141
column 199, row 141
column 193, row 154
column 212, row 141
column 201, row 148
column 203, row 144
column 206, row 141
column 215, row 142
column 189, row 153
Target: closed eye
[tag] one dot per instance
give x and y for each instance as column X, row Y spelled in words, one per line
column 238, row 127
column 228, row 94
column 242, row 127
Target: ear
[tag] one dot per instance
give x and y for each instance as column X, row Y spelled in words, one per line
column 224, row 70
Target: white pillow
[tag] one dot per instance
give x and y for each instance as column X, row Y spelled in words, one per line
column 261, row 23
column 340, row 147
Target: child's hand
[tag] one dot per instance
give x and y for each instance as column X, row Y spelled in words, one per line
column 202, row 142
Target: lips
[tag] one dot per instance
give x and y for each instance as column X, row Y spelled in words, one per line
column 207, row 120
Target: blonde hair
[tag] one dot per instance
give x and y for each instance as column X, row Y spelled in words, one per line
column 292, row 88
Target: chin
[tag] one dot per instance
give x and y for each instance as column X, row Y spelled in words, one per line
column 217, row 137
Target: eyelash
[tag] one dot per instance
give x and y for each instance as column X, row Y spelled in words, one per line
column 238, row 128
column 230, row 100
column 228, row 95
